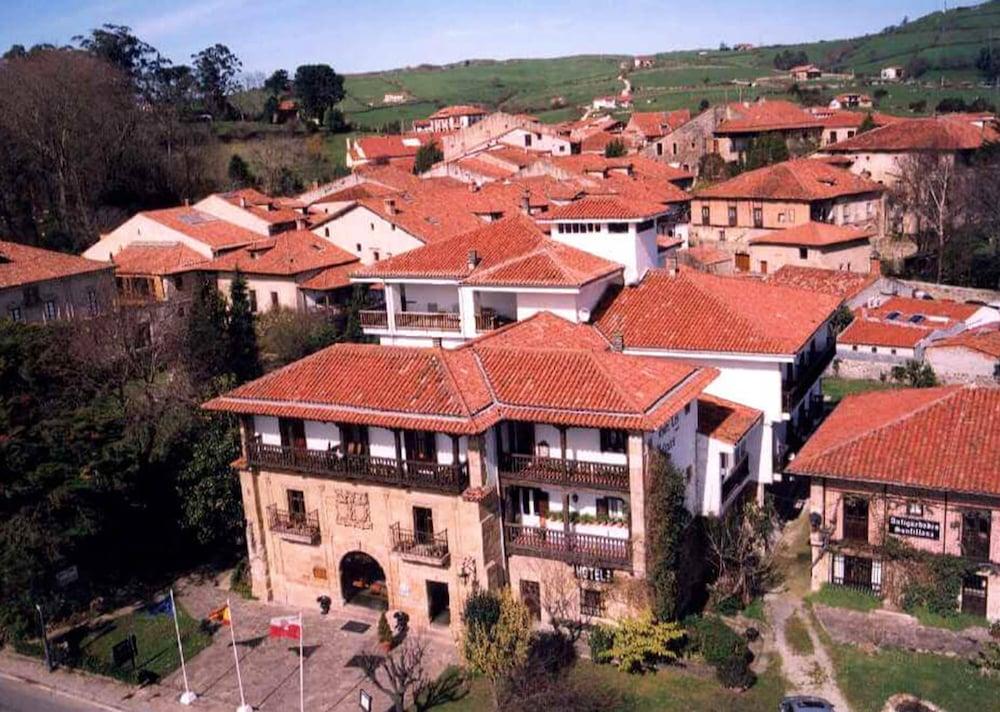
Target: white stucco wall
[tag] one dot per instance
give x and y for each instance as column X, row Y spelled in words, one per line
column 373, row 233
column 140, row 228
column 634, row 250
column 223, row 209
column 285, row 287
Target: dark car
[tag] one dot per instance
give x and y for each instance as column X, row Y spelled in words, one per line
column 805, row 703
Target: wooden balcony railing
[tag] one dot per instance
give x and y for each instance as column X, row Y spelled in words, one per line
column 432, row 321
column 425, row 547
column 736, row 476
column 363, row 468
column 571, row 547
column 374, row 318
column 556, row 470
column 489, row 322
column 298, row 526
column 803, row 377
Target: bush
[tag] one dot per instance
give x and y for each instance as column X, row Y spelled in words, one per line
column 482, row 608
column 734, row 672
column 724, row 649
column 601, row 639
column 728, row 606
column 639, row 643
column 384, row 631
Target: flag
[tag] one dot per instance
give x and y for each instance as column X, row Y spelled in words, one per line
column 286, row 627
column 221, row 615
column 163, row 608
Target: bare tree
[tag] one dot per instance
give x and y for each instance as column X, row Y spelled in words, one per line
column 277, row 162
column 399, row 673
column 741, row 550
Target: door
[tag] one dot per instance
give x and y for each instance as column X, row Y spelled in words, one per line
column 520, row 438
column 438, row 603
column 296, row 505
column 742, row 262
column 542, row 506
column 763, row 266
column 856, row 519
column 421, row 445
column 423, row 525
column 354, row 439
column 293, row 433
column 531, row 596
column 974, row 589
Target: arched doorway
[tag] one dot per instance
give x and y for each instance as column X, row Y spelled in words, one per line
column 363, row 582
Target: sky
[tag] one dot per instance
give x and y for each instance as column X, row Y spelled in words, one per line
column 363, row 35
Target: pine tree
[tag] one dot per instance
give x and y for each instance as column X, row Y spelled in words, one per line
column 205, row 342
column 240, row 175
column 244, row 356
column 353, row 332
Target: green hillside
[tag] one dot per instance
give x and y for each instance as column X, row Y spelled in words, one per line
column 556, row 89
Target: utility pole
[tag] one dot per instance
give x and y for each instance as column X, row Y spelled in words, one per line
column 45, row 639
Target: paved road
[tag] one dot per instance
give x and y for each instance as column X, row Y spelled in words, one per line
column 23, row 697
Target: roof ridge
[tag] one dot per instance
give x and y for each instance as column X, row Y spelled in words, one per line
column 438, row 354
column 734, row 314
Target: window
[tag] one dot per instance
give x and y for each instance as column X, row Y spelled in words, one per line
column 724, row 463
column 50, row 309
column 354, row 439
column 704, row 215
column 803, row 253
column 274, row 300
column 758, row 217
column 296, row 505
column 659, row 149
column 617, row 227
column 915, row 509
column 375, row 255
column 613, row 440
column 326, row 232
column 687, row 408
column 644, row 225
column 293, row 432
column 732, row 216
column 92, row 301
column 15, row 313
column 358, row 247
column 976, row 534
column 850, row 134
column 372, row 226
column 527, row 140
column 892, row 351
column 833, row 137
column 675, row 149
column 591, row 602
column 854, row 347
column 421, row 445
column 253, row 300
column 874, row 349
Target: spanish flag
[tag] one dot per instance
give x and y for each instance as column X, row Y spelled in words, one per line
column 221, row 615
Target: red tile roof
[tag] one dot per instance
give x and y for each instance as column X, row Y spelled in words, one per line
column 694, row 311
column 801, row 179
column 813, row 234
column 375, row 148
column 938, row 134
column 985, row 340
column 708, row 255
column 841, row 283
column 262, row 206
column 937, row 438
column 288, row 253
column 203, row 227
column 873, row 332
column 458, row 110
column 724, row 420
column 356, row 192
column 466, row 390
column 330, row 278
column 770, row 115
column 486, row 168
column 156, row 258
column 604, row 209
column 654, row 124
column 428, row 214
column 640, row 189
column 940, row 308
column 21, row 264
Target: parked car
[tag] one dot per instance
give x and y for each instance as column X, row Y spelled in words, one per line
column 804, row 703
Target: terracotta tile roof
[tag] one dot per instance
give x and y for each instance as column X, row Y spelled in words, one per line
column 813, row 234
column 665, row 242
column 605, row 209
column 801, row 179
column 724, row 420
column 937, row 309
column 940, row 134
column 428, row 214
column 152, row 258
column 938, row 438
column 985, row 340
column 841, row 283
column 708, row 254
column 694, row 311
column 375, row 148
column 262, row 206
column 486, row 168
column 654, row 124
column 336, row 277
column 838, row 118
column 511, row 154
column 544, row 330
column 21, row 264
column 592, row 163
column 468, row 389
column 645, row 166
column 389, row 176
column 356, row 192
column 512, row 251
column 457, row 110
column 770, row 115
column 203, row 227
column 287, row 253
column 875, row 332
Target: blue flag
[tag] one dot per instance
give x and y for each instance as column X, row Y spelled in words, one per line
column 163, row 608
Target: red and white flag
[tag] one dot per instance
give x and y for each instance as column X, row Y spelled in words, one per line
column 286, row 627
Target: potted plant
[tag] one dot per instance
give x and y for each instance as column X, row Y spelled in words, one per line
column 384, row 634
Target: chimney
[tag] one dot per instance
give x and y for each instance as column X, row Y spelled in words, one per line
column 473, row 259
column 390, row 206
column 875, row 263
column 243, row 202
column 300, row 223
column 672, row 265
column 187, row 202
column 526, row 202
column 618, row 342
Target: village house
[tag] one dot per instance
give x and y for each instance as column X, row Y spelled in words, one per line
column 841, row 124
column 744, row 122
column 643, row 61
column 684, row 146
column 252, row 210
column 854, row 289
column 406, row 478
column 452, row 118
column 783, row 196
column 647, row 126
column 972, row 356
column 39, row 285
column 851, row 100
column 813, row 244
column 395, row 98
column 805, row 72
column 891, row 74
column 517, row 130
column 917, row 466
column 398, row 150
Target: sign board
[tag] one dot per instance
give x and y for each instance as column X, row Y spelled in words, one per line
column 917, row 528
column 124, row 651
column 67, row 576
column 365, row 701
column 589, row 573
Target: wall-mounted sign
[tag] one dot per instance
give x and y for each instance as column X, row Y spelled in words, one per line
column 917, row 528
column 590, row 573
column 365, row 701
column 67, row 576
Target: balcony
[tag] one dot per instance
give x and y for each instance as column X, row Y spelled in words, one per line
column 558, row 471
column 804, row 376
column 301, row 527
column 571, row 547
column 374, row 318
column 360, row 468
column 489, row 322
column 420, row 547
column 428, row 321
column 735, row 478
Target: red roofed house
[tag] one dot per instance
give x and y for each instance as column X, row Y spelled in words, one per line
column 918, row 466
column 854, row 288
column 782, row 196
column 395, row 149
column 408, row 478
column 814, row 244
column 452, row 118
column 804, row 72
column 39, row 285
column 649, row 126
column 851, row 100
column 972, row 356
column 252, row 210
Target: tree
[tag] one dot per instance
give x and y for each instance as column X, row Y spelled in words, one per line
column 240, row 175
column 334, row 120
column 399, row 674
column 703, row 105
column 740, row 550
column 915, row 375
column 641, row 642
column 917, row 67
column 880, row 94
column 841, row 319
column 712, row 167
column 116, row 45
column 951, row 104
column 212, row 507
column 427, row 155
column 286, row 335
column 867, row 124
column 615, row 149
column 765, row 150
column 919, row 106
column 318, row 88
column 786, row 59
column 205, row 343
column 244, row 357
column 277, row 83
column 216, row 70
column 988, row 63
column 499, row 651
column 666, row 521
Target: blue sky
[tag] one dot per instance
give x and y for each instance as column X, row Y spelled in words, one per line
column 364, row 35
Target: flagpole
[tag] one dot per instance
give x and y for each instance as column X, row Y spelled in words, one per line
column 187, row 697
column 302, row 693
column 244, row 707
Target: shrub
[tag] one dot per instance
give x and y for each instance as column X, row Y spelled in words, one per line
column 723, row 649
column 728, row 606
column 734, row 672
column 482, row 608
column 384, row 631
column 639, row 643
column 601, row 639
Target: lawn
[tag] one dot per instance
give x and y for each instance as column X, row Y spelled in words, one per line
column 669, row 690
column 840, row 597
column 837, row 388
column 951, row 683
column 956, row 622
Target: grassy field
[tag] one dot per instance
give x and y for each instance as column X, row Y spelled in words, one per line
column 669, row 690
column 837, row 388
column 958, row 621
column 840, row 597
column 951, row 683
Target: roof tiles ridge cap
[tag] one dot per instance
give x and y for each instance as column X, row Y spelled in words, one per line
column 440, row 356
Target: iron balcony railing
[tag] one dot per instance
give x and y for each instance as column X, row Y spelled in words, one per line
column 736, row 477
column 803, row 377
column 571, row 547
column 364, row 468
column 489, row 322
column 418, row 544
column 556, row 470
column 302, row 526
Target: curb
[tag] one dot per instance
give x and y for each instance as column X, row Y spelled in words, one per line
column 58, row 691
